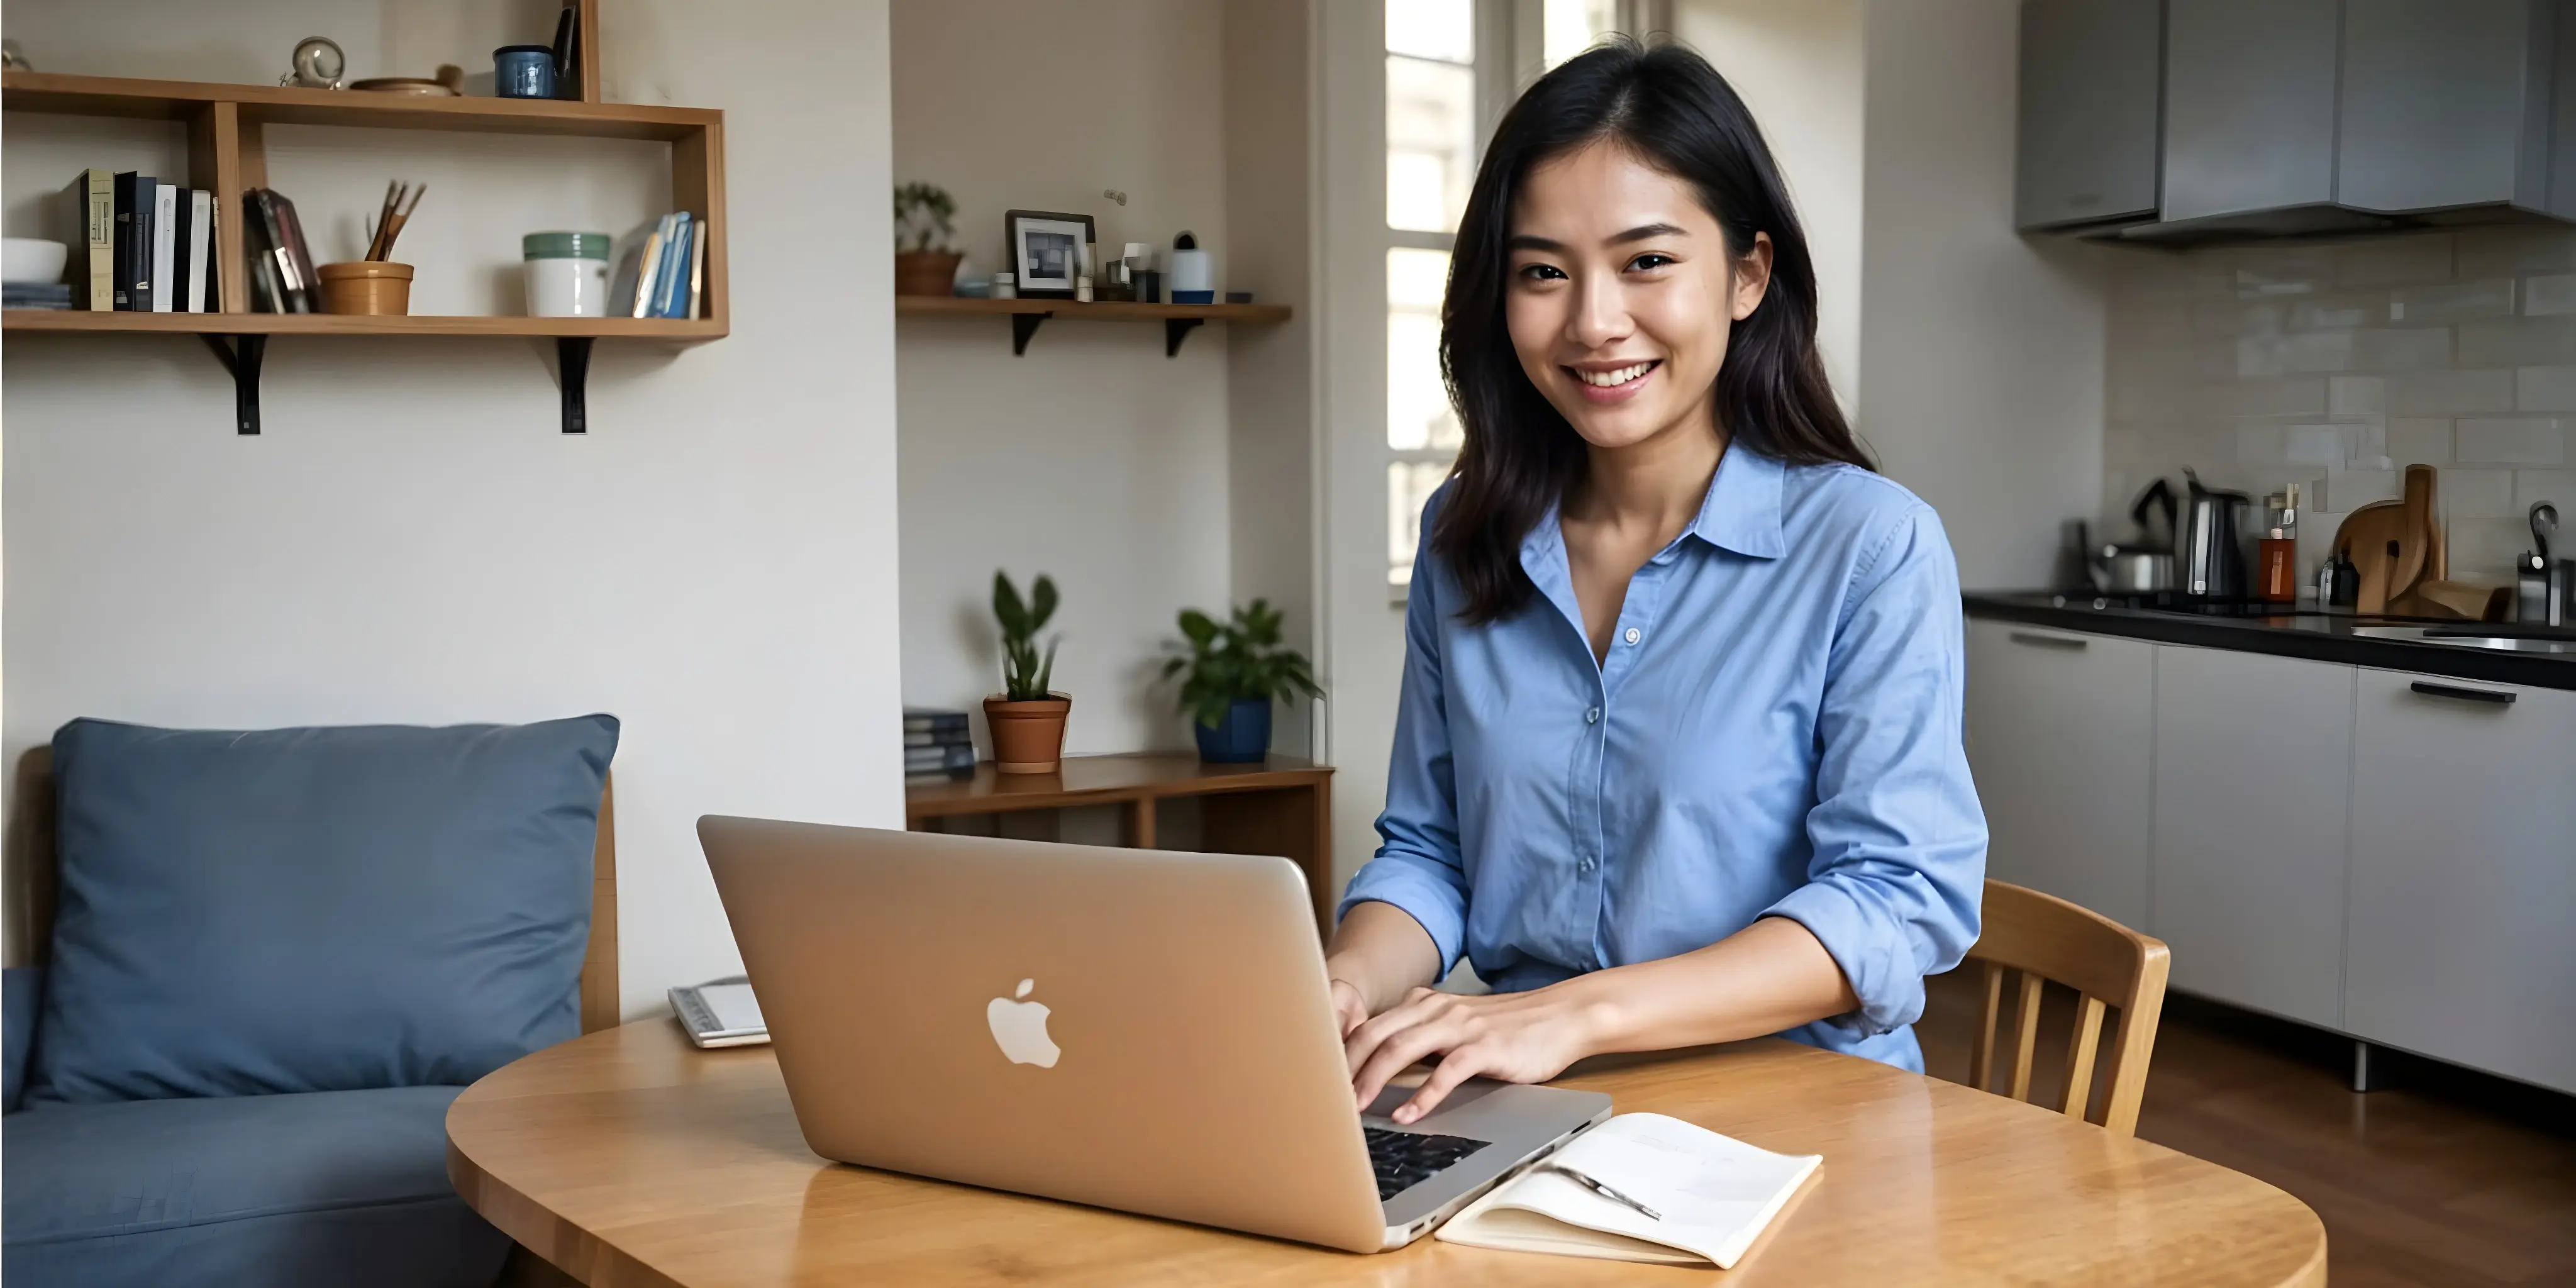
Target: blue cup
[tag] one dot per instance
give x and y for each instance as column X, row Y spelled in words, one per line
column 523, row 71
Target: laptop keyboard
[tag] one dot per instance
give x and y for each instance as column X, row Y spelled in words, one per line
column 1404, row 1159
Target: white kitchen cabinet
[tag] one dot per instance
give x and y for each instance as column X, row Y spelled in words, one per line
column 2463, row 921
column 2252, row 791
column 2059, row 736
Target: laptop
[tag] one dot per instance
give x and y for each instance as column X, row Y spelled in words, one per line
column 1144, row 1030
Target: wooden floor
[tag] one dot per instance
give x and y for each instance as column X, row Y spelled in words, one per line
column 2443, row 1177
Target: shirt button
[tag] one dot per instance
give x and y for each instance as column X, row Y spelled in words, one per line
column 1584, row 866
column 1634, row 635
column 1592, row 716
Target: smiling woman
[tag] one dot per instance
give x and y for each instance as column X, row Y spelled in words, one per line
column 1678, row 755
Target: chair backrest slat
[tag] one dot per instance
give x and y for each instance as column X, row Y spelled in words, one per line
column 2043, row 938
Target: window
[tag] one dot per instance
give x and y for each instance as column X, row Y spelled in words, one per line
column 1431, row 143
column 1568, row 27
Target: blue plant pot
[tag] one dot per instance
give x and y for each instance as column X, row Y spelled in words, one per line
column 1242, row 737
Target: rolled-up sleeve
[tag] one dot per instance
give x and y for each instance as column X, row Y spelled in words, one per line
column 1418, row 866
column 1900, row 841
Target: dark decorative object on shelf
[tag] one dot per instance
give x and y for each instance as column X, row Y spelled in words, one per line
column 1235, row 669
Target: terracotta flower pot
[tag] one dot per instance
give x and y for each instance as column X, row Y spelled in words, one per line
column 1028, row 737
column 926, row 272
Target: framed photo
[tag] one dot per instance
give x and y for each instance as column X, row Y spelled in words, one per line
column 1046, row 251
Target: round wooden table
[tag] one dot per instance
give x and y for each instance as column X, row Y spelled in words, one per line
column 630, row 1158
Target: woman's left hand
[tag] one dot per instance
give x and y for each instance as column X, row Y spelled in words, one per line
column 1516, row 1037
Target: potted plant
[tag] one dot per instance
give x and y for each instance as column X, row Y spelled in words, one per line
column 923, row 262
column 1234, row 670
column 1026, row 718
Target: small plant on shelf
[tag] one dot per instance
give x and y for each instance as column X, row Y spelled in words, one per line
column 1234, row 670
column 1026, row 718
column 924, row 221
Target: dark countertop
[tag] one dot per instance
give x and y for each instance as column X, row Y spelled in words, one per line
column 2321, row 636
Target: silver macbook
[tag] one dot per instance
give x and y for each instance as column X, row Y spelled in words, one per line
column 1144, row 1030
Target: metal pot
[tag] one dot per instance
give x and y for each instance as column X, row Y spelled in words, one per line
column 2128, row 570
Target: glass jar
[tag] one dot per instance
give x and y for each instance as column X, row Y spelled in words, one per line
column 567, row 274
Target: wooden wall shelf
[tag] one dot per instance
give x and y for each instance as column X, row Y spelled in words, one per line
column 1281, row 806
column 1178, row 319
column 227, row 156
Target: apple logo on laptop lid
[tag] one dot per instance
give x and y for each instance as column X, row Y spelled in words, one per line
column 1020, row 1028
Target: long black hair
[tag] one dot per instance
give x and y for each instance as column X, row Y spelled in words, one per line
column 1678, row 115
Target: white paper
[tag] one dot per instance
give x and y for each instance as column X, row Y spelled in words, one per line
column 1715, row 1195
column 733, row 1006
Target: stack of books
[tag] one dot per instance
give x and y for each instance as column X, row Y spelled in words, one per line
column 662, row 269
column 936, row 744
column 35, row 295
column 139, row 245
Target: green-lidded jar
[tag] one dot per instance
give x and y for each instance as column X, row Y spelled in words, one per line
column 564, row 245
column 567, row 274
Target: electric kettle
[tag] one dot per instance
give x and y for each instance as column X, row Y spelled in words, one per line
column 2210, row 561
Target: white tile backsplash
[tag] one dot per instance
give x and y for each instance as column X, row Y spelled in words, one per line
column 2337, row 364
column 2527, row 440
column 2558, row 487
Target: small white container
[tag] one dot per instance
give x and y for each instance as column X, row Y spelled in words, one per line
column 1006, row 286
column 1082, row 290
column 567, row 274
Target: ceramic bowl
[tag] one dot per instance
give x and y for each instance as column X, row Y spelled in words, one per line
column 32, row 259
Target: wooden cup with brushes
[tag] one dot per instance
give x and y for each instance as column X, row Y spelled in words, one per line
column 375, row 286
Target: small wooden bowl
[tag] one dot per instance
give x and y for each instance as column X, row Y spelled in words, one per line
column 370, row 287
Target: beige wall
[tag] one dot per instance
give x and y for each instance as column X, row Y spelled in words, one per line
column 1982, row 353
column 1797, row 64
column 413, row 539
column 1094, row 457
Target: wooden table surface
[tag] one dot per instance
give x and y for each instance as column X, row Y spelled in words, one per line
column 629, row 1158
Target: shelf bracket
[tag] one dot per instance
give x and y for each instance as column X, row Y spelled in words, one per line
column 572, row 363
column 1024, row 325
column 1176, row 330
column 242, row 360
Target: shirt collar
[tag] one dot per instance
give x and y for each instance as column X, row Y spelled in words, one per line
column 1741, row 512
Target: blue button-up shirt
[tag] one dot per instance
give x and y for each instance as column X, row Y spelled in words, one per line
column 1775, row 732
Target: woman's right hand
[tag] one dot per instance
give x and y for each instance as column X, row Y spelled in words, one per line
column 1349, row 1008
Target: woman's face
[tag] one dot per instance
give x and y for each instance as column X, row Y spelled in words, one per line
column 1621, row 295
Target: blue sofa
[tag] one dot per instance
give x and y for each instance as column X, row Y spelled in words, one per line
column 275, row 960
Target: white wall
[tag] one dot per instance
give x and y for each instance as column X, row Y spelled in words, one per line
column 1093, row 457
column 1797, row 64
column 413, row 540
column 1982, row 354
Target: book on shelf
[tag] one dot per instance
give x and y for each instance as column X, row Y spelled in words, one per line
column 92, row 202
column 671, row 289
column 953, row 761
column 916, row 738
column 281, row 268
column 639, row 254
column 697, row 271
column 933, row 719
column 36, row 295
column 165, row 247
column 1709, row 1197
column 194, row 245
column 134, row 203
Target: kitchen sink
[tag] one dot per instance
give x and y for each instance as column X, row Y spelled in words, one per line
column 2472, row 637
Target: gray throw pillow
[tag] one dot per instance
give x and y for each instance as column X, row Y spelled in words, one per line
column 324, row 909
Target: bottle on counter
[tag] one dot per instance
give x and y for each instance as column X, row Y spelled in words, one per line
column 2278, row 581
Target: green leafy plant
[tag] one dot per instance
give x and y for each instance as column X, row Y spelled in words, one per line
column 1024, row 672
column 1242, row 660
column 922, row 217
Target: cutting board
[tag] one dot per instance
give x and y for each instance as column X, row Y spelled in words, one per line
column 2396, row 545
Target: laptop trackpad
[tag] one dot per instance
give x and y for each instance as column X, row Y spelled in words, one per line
column 1461, row 1096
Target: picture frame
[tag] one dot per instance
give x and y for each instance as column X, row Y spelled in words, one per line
column 1046, row 250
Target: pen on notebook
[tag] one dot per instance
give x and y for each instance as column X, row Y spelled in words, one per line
column 1603, row 1190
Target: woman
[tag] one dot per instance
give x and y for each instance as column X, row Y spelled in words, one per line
column 1678, row 759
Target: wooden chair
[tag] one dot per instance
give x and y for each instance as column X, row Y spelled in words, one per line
column 2046, row 938
column 30, row 879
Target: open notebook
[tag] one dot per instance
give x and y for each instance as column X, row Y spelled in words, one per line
column 1714, row 1195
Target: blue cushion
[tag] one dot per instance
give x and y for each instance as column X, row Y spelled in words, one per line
column 24, row 992
column 331, row 1188
column 315, row 909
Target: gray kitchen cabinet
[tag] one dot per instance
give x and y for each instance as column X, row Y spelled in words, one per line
column 2463, row 918
column 2249, row 106
column 2059, row 738
column 2091, row 74
column 2437, row 99
column 2251, row 796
